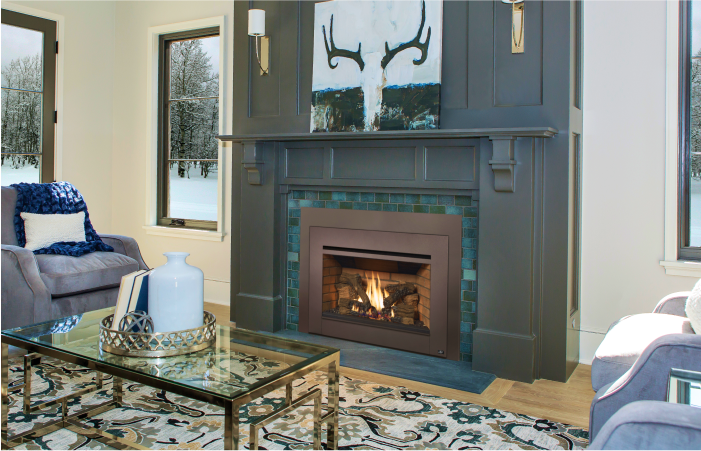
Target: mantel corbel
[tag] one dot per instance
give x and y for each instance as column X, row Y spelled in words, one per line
column 253, row 161
column 503, row 163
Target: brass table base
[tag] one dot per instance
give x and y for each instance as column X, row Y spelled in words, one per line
column 73, row 421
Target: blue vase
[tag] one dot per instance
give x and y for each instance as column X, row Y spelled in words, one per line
column 176, row 295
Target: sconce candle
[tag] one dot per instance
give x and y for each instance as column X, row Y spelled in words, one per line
column 256, row 22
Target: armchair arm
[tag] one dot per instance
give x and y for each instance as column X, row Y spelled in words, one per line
column 673, row 304
column 648, row 377
column 25, row 298
column 651, row 425
column 126, row 246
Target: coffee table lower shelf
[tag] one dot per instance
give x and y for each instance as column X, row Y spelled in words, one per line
column 73, row 421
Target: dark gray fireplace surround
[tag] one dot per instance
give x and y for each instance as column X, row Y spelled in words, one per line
column 510, row 138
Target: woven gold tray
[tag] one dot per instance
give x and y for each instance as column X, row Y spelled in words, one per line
column 162, row 344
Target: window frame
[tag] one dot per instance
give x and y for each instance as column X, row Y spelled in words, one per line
column 163, row 131
column 49, row 28
column 684, row 250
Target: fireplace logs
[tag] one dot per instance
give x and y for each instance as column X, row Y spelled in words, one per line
column 355, row 281
column 397, row 293
column 406, row 305
column 345, row 305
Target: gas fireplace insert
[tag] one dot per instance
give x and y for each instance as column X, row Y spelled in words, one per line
column 380, row 287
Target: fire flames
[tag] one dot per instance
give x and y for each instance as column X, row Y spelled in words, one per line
column 376, row 294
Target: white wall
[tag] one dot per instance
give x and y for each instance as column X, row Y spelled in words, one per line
column 623, row 165
column 130, row 147
column 86, row 117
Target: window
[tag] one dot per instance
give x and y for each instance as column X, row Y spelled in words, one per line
column 690, row 130
column 188, row 122
column 28, row 98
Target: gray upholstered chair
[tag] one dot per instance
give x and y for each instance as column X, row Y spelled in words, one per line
column 635, row 358
column 651, row 425
column 38, row 288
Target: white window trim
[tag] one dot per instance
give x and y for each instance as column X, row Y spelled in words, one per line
column 151, row 226
column 60, row 21
column 671, row 263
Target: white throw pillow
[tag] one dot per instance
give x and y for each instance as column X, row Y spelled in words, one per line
column 44, row 230
column 693, row 307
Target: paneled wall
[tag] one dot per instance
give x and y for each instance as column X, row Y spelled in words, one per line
column 483, row 83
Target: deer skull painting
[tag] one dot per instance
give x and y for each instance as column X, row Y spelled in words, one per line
column 377, row 65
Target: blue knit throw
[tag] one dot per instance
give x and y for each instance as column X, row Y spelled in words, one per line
column 56, row 198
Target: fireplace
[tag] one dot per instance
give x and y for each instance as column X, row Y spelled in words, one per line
column 382, row 278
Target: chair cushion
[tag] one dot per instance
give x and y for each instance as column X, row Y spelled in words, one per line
column 627, row 339
column 64, row 275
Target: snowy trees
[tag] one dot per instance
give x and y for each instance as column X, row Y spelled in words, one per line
column 194, row 107
column 21, row 111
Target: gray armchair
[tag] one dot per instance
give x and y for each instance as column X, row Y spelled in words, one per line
column 651, row 425
column 38, row 288
column 635, row 358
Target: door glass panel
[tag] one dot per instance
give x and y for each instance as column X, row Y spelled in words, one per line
column 21, row 136
column 695, row 128
column 21, row 58
column 21, row 103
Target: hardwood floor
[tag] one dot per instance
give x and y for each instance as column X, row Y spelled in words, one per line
column 563, row 402
column 557, row 401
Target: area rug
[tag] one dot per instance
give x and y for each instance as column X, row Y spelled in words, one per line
column 372, row 416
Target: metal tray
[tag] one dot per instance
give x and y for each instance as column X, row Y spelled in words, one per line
column 162, row 344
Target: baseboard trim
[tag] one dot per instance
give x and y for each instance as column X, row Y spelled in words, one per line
column 508, row 356
column 256, row 312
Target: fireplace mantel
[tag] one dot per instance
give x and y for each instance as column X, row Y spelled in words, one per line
column 517, row 132
column 502, row 161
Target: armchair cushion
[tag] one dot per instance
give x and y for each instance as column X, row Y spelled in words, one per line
column 651, row 425
column 64, row 275
column 648, row 378
column 627, row 339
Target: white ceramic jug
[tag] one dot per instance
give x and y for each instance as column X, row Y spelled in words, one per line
column 176, row 294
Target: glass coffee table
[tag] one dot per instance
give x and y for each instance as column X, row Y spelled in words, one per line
column 220, row 375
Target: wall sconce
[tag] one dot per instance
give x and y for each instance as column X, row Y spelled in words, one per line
column 256, row 28
column 517, row 22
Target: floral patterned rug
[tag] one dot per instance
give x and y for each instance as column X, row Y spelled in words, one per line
column 372, row 416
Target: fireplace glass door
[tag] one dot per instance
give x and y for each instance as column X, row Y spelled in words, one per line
column 377, row 292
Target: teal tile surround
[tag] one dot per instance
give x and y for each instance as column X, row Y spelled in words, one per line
column 463, row 206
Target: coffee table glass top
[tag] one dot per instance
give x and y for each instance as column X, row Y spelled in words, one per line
column 240, row 361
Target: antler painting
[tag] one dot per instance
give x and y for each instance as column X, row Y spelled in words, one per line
column 392, row 81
